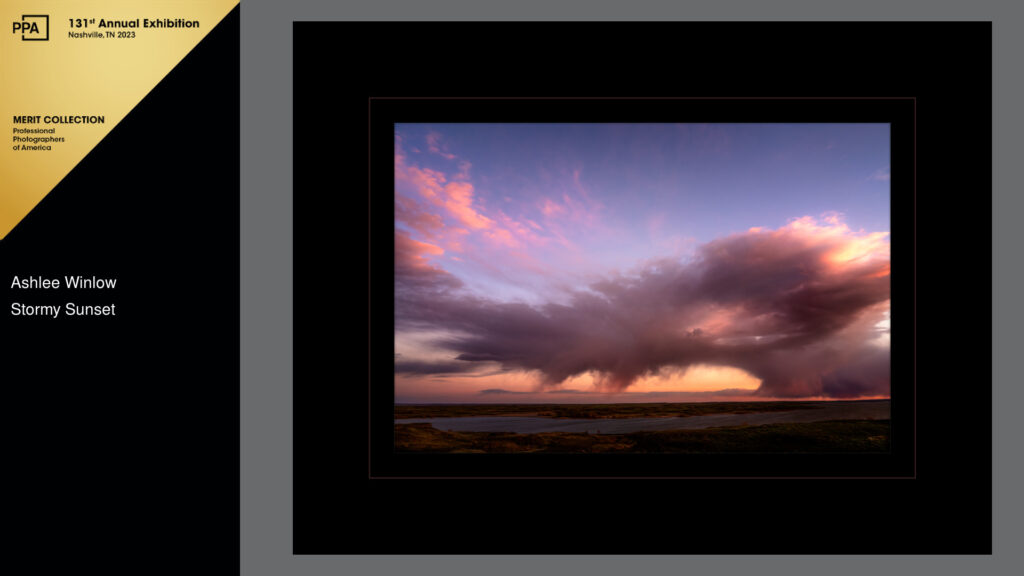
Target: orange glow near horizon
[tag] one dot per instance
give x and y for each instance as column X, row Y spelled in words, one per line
column 521, row 386
column 698, row 378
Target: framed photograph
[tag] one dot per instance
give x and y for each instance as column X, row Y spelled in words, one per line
column 681, row 298
column 692, row 285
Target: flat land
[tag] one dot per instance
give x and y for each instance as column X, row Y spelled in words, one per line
column 658, row 410
column 858, row 426
column 830, row 436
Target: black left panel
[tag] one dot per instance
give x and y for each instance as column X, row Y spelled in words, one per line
column 123, row 429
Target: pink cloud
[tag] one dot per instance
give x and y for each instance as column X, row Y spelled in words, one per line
column 455, row 196
column 447, row 211
column 578, row 208
column 435, row 146
column 832, row 218
column 503, row 237
column 426, row 182
column 413, row 252
column 525, row 232
column 550, row 208
column 460, row 204
column 412, row 214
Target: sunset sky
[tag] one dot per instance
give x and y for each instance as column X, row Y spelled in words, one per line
column 641, row 262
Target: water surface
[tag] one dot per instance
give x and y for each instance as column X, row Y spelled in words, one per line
column 873, row 410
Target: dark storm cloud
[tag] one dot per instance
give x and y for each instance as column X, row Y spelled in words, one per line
column 795, row 307
column 427, row 368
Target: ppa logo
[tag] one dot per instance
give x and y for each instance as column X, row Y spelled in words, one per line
column 33, row 27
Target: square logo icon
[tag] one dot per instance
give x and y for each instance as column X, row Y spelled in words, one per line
column 33, row 27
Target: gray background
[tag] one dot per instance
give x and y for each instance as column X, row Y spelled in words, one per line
column 266, row 291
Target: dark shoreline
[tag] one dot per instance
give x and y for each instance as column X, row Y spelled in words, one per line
column 619, row 410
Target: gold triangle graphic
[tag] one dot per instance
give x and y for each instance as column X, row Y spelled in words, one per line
column 72, row 71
